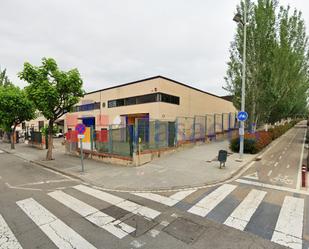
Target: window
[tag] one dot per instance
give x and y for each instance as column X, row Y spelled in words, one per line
column 169, row 99
column 86, row 107
column 149, row 98
column 142, row 99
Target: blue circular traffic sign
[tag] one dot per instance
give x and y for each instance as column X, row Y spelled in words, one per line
column 80, row 128
column 242, row 116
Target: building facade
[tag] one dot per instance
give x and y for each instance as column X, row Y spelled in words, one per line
column 156, row 98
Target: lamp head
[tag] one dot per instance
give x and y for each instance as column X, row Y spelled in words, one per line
column 237, row 18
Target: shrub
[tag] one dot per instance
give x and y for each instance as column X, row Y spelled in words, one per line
column 255, row 142
column 249, row 145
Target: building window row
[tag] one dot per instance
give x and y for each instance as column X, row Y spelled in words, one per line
column 86, row 107
column 142, row 99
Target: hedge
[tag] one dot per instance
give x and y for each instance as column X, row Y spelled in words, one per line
column 255, row 142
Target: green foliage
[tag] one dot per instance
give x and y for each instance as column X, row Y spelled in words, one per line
column 53, row 91
column 4, row 80
column 249, row 145
column 44, row 130
column 277, row 65
column 253, row 143
column 15, row 107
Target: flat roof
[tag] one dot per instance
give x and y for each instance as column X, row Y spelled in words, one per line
column 156, row 77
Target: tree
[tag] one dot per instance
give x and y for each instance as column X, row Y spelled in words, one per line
column 15, row 108
column 4, row 79
column 277, row 62
column 53, row 92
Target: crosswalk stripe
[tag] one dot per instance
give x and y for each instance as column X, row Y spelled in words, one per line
column 59, row 233
column 243, row 213
column 119, row 202
column 289, row 227
column 7, row 238
column 208, row 203
column 168, row 201
column 108, row 223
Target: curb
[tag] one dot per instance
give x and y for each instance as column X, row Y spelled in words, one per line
column 164, row 189
column 230, row 178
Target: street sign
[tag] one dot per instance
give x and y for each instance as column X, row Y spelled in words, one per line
column 80, row 128
column 80, row 136
column 242, row 116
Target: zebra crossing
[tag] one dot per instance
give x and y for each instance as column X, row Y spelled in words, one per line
column 288, row 230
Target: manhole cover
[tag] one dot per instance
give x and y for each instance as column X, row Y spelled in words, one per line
column 184, row 230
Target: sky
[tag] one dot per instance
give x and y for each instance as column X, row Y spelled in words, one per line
column 113, row 42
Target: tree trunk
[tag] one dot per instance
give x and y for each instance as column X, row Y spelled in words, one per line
column 12, row 138
column 49, row 154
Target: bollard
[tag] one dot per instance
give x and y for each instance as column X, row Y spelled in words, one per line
column 303, row 176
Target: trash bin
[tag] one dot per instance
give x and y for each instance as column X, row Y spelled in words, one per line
column 222, row 157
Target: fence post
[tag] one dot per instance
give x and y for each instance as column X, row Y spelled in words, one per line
column 222, row 122
column 156, row 133
column 176, row 131
column 110, row 139
column 205, row 128
column 91, row 139
column 215, row 132
column 229, row 121
column 194, row 129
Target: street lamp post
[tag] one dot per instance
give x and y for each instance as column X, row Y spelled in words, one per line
column 238, row 18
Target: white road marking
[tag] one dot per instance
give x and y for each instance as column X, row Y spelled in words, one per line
column 282, row 179
column 7, row 238
column 22, row 188
column 137, row 244
column 119, row 202
column 168, row 201
column 288, row 166
column 243, row 213
column 283, row 152
column 208, row 203
column 280, row 157
column 164, row 223
column 298, row 183
column 265, row 185
column 154, row 233
column 44, row 182
column 276, row 164
column 95, row 216
column 289, row 227
column 253, row 176
column 1, row 151
column 59, row 233
column 269, row 173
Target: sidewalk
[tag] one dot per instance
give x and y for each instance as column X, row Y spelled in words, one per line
column 183, row 169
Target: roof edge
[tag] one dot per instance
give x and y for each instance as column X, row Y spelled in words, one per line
column 156, row 77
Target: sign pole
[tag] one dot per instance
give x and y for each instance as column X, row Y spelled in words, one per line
column 81, row 153
column 80, row 128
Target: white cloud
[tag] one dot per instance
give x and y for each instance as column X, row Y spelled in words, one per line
column 113, row 42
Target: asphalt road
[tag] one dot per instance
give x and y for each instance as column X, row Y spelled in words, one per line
column 281, row 162
column 42, row 209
